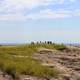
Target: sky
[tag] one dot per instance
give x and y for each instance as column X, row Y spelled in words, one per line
column 22, row 21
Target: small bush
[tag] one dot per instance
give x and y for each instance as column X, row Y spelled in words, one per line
column 60, row 47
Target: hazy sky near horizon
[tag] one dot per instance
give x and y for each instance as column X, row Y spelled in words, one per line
column 34, row 20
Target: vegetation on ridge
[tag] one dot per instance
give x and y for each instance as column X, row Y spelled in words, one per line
column 16, row 60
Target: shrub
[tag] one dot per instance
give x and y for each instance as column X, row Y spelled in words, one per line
column 60, row 47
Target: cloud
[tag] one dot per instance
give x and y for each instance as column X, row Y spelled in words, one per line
column 11, row 17
column 42, row 14
column 49, row 14
column 52, row 14
column 14, row 10
column 10, row 5
column 20, row 4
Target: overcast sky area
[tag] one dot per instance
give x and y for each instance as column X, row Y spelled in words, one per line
column 34, row 20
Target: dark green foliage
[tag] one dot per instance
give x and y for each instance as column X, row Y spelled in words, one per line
column 60, row 47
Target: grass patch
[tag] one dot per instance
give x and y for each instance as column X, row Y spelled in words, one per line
column 15, row 66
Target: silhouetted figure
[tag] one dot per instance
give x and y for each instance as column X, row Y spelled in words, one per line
column 37, row 42
column 49, row 42
column 40, row 42
column 32, row 43
column 45, row 42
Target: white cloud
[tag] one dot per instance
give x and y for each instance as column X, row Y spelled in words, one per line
column 14, row 10
column 12, row 17
column 52, row 14
column 49, row 14
column 17, row 6
column 20, row 4
column 43, row 14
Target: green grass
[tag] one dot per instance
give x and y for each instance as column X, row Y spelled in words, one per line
column 25, row 65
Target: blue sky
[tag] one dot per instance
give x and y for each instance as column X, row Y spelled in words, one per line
column 34, row 20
